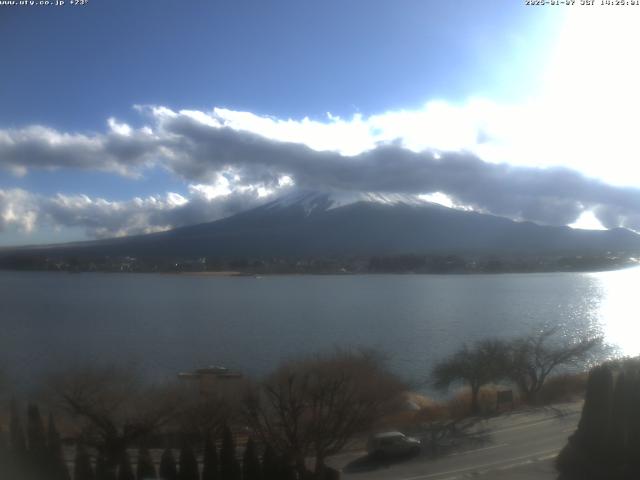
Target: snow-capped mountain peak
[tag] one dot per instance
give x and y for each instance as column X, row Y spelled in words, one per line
column 315, row 201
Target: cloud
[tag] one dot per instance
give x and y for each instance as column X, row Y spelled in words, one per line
column 232, row 160
column 119, row 150
column 25, row 211
column 17, row 210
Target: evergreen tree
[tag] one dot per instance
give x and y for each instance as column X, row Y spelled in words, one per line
column 229, row 466
column 5, row 456
column 619, row 430
column 168, row 470
column 634, row 425
column 286, row 470
column 593, row 428
column 82, row 469
column 17, row 440
column 188, row 464
column 270, row 468
column 36, row 439
column 103, row 470
column 3, row 447
column 125, row 471
column 250, row 462
column 146, row 469
column 588, row 452
column 210, row 461
column 57, row 464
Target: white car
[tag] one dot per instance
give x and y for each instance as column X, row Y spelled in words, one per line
column 390, row 444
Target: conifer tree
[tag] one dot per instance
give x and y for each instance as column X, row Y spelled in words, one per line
column 634, row 424
column 188, row 464
column 250, row 462
column 103, row 470
column 18, row 443
column 3, row 447
column 82, row 469
column 229, row 466
column 168, row 470
column 36, row 439
column 56, row 462
column 125, row 471
column 619, row 430
column 593, row 427
column 286, row 470
column 146, row 470
column 270, row 469
column 210, row 460
column 6, row 459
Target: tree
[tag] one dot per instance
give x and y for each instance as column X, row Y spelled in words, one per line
column 104, row 469
column 270, row 470
column 315, row 406
column 145, row 470
column 17, row 440
column 476, row 366
column 56, row 461
column 250, row 462
column 168, row 470
column 188, row 464
column 125, row 471
column 36, row 439
column 82, row 469
column 229, row 466
column 5, row 458
column 604, row 446
column 534, row 357
column 207, row 411
column 210, row 460
column 116, row 409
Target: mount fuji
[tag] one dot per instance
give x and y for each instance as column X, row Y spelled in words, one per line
column 318, row 224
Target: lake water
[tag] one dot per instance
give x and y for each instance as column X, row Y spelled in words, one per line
column 171, row 323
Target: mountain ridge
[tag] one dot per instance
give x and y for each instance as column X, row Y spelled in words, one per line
column 319, row 224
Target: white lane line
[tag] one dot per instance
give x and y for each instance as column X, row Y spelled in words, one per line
column 533, row 423
column 527, row 459
column 518, row 464
column 526, row 425
column 477, row 450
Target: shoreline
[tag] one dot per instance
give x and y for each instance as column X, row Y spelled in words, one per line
column 235, row 273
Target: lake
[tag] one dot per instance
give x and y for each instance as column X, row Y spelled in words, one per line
column 171, row 323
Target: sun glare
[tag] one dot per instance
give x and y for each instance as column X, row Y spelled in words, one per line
column 618, row 309
column 589, row 103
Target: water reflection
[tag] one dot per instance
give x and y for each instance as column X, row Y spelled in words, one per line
column 617, row 309
column 170, row 323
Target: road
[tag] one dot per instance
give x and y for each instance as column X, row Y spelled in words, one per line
column 514, row 446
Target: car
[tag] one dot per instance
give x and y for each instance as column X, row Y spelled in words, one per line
column 389, row 444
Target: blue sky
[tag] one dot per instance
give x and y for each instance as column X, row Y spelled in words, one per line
column 74, row 67
column 108, row 127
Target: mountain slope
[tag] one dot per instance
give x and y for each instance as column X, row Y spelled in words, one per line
column 319, row 225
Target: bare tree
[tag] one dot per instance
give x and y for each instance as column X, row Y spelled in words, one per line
column 206, row 413
column 113, row 407
column 478, row 365
column 316, row 406
column 534, row 357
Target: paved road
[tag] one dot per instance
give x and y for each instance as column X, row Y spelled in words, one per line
column 514, row 446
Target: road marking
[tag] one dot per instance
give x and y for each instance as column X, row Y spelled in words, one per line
column 526, row 425
column 477, row 450
column 519, row 464
column 488, row 466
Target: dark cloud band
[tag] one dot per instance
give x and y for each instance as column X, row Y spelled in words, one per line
column 200, row 151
